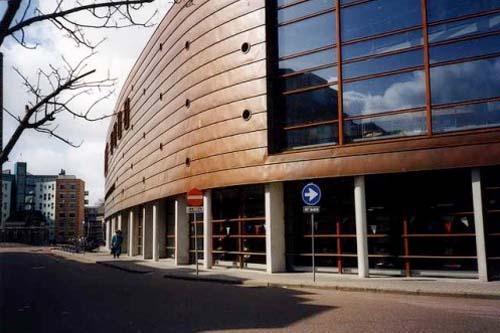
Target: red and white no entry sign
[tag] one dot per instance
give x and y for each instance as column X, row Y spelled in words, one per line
column 195, row 197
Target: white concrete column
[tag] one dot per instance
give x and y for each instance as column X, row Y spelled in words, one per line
column 156, row 253
column 113, row 226
column 108, row 234
column 361, row 233
column 181, row 231
column 148, row 232
column 131, row 233
column 275, row 228
column 477, row 201
column 119, row 224
column 207, row 229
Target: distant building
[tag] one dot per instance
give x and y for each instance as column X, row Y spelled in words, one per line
column 94, row 216
column 52, row 202
column 70, row 200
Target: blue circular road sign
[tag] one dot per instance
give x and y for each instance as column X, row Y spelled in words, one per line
column 311, row 194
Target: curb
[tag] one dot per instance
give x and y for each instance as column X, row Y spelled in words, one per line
column 417, row 292
column 125, row 269
column 204, row 279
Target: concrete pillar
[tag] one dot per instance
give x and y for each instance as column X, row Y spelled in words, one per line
column 113, row 226
column 155, row 248
column 181, row 231
column 361, row 233
column 119, row 222
column 477, row 201
column 147, row 232
column 131, row 234
column 207, row 229
column 275, row 228
column 108, row 234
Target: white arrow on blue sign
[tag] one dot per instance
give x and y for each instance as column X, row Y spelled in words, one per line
column 311, row 194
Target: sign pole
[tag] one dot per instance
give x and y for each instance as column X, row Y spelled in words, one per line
column 312, row 239
column 196, row 244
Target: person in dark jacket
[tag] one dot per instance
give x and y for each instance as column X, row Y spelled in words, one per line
column 116, row 244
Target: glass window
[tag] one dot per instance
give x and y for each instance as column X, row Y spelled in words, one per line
column 383, row 64
column 407, row 124
column 303, row 9
column 464, row 28
column 379, row 16
column 305, row 35
column 382, row 45
column 465, row 49
column 307, row 61
column 311, row 106
column 323, row 134
column 388, row 93
column 310, row 79
column 445, row 9
column 465, row 81
column 466, row 117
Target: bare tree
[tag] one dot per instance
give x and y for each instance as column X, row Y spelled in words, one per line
column 54, row 91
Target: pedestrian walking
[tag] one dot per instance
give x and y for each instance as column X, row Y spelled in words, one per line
column 116, row 244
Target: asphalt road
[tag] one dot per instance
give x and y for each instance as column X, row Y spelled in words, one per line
column 43, row 293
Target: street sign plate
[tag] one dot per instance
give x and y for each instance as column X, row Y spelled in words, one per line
column 194, row 209
column 195, row 197
column 310, row 209
column 311, row 194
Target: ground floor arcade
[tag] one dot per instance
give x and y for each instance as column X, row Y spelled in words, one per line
column 432, row 223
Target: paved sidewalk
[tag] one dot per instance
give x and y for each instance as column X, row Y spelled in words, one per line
column 411, row 286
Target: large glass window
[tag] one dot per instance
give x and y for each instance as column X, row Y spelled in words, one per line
column 445, row 9
column 466, row 81
column 465, row 49
column 301, row 63
column 466, row 117
column 382, row 45
column 383, row 64
column 311, row 106
column 303, row 9
column 379, row 16
column 315, row 32
column 313, row 135
column 388, row 93
column 406, row 124
column 310, row 79
column 239, row 233
column 464, row 28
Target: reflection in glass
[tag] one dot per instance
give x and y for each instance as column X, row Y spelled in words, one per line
column 383, row 64
column 307, row 61
column 306, row 35
column 316, row 135
column 303, row 9
column 464, row 28
column 382, row 45
column 466, row 117
column 384, row 127
column 465, row 81
column 315, row 78
column 445, row 9
column 311, row 106
column 374, row 17
column 388, row 93
column 465, row 49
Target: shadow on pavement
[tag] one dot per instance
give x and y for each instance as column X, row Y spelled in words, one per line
column 42, row 293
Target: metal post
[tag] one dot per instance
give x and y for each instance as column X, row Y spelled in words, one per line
column 196, row 244
column 312, row 239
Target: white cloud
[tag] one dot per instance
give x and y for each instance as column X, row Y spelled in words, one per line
column 46, row 155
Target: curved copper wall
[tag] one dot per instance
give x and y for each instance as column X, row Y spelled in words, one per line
column 220, row 82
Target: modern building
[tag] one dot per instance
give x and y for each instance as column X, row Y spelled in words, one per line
column 54, row 203
column 93, row 227
column 8, row 181
column 392, row 107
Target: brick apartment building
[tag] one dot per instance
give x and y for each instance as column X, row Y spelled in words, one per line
column 70, row 207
